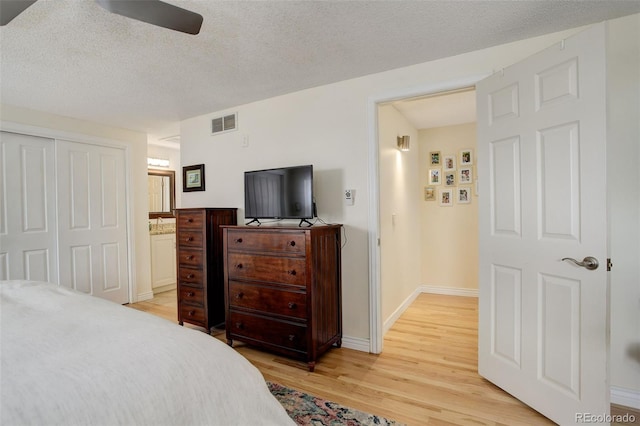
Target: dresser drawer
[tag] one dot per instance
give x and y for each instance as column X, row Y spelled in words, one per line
column 267, row 268
column 190, row 257
column 190, row 239
column 267, row 330
column 273, row 242
column 190, row 275
column 193, row 314
column 193, row 295
column 268, row 299
column 190, row 219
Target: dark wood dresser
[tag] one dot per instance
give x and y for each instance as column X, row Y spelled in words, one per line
column 283, row 288
column 200, row 264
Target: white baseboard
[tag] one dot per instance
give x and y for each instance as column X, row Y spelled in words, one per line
column 144, row 296
column 399, row 311
column 356, row 343
column 450, row 291
column 625, row 397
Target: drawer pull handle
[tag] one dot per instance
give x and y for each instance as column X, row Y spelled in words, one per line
column 188, row 257
column 292, row 243
column 292, row 305
column 239, row 266
column 189, row 239
column 291, row 272
column 239, row 325
column 239, row 240
column 239, row 295
column 190, row 220
column 192, row 313
column 190, row 294
column 292, row 337
column 190, row 276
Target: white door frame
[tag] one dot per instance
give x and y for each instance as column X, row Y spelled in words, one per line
column 375, row 289
column 56, row 134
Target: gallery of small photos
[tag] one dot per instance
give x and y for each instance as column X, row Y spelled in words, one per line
column 451, row 178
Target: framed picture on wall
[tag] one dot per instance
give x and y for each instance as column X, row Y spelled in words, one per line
column 465, row 176
column 466, row 157
column 449, row 163
column 449, row 178
column 463, row 195
column 429, row 193
column 193, row 178
column 434, row 158
column 435, row 176
column 446, row 197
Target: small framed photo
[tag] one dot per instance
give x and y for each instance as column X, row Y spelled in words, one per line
column 435, row 176
column 193, row 178
column 429, row 193
column 446, row 197
column 466, row 157
column 434, row 158
column 449, row 178
column 449, row 163
column 465, row 176
column 463, row 195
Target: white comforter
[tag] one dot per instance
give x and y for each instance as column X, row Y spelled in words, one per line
column 72, row 359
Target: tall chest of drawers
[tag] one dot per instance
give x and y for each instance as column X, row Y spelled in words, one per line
column 283, row 288
column 200, row 264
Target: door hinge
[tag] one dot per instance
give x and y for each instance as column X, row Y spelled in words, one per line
column 609, row 264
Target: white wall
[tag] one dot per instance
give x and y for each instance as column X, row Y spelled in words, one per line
column 327, row 126
column 623, row 161
column 399, row 212
column 449, row 234
column 53, row 126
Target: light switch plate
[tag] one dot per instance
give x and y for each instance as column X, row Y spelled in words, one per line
column 349, row 196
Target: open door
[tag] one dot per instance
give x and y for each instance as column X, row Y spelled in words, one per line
column 543, row 325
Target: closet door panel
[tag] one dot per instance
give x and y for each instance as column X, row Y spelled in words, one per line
column 28, row 247
column 93, row 225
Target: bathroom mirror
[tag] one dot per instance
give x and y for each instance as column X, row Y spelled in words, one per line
column 161, row 193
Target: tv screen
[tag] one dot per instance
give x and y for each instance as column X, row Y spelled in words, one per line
column 282, row 193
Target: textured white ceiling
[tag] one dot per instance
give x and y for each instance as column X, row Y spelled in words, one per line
column 73, row 58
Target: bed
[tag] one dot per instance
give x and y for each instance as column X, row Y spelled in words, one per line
column 72, row 359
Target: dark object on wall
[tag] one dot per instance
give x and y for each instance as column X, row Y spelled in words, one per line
column 193, row 178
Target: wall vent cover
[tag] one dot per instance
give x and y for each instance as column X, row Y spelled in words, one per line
column 224, row 124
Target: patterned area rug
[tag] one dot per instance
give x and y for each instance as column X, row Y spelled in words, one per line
column 306, row 409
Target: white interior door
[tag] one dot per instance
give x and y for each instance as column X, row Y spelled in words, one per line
column 93, row 220
column 541, row 147
column 27, row 209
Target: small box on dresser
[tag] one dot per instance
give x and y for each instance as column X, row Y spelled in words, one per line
column 283, row 288
column 200, row 264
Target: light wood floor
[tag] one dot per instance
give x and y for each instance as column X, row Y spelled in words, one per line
column 427, row 373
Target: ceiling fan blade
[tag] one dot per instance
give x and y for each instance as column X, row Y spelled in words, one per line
column 9, row 9
column 156, row 12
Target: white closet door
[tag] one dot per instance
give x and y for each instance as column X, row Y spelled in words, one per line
column 27, row 209
column 93, row 220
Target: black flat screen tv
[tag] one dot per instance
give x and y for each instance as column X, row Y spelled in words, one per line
column 281, row 193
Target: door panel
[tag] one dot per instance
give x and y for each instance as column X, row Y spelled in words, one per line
column 541, row 151
column 27, row 209
column 92, row 227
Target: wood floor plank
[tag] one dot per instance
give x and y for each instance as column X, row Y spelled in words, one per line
column 426, row 374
